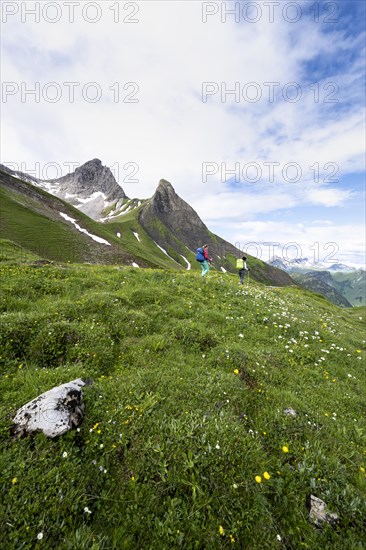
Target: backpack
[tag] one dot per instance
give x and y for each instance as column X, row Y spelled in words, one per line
column 199, row 255
column 239, row 263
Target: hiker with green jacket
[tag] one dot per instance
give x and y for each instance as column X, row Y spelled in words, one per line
column 241, row 264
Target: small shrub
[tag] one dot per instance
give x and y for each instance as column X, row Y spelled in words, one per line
column 143, row 296
column 51, row 344
column 195, row 335
column 17, row 332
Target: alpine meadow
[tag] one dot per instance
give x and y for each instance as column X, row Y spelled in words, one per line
column 215, row 411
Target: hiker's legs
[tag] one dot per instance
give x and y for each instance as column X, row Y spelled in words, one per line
column 241, row 274
column 204, row 267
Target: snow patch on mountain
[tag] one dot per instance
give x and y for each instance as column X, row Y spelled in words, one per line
column 126, row 208
column 187, row 262
column 165, row 252
column 94, row 237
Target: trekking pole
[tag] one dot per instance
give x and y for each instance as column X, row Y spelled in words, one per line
column 248, row 278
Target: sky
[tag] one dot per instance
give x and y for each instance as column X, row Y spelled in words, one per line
column 254, row 111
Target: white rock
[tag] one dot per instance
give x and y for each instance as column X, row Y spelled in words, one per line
column 54, row 412
column 290, row 412
column 319, row 514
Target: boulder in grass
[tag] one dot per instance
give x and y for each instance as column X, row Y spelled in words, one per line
column 319, row 515
column 290, row 412
column 54, row 412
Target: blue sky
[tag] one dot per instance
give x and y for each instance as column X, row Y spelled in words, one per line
column 164, row 72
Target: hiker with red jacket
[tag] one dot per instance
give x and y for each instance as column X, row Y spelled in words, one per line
column 204, row 259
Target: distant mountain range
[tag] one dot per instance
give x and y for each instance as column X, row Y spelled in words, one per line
column 85, row 216
column 342, row 284
column 302, row 265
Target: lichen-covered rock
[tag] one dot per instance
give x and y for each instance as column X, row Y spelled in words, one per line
column 319, row 513
column 54, row 412
column 290, row 412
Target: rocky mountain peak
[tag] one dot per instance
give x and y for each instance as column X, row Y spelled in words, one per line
column 165, row 184
column 89, row 171
column 179, row 218
column 92, row 188
column 91, row 177
column 165, row 198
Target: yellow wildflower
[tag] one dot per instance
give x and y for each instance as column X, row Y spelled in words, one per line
column 14, row 480
column 258, row 479
column 221, row 530
column 285, row 449
column 236, row 371
column 266, row 475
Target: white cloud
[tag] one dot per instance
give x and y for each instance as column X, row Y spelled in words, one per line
column 327, row 197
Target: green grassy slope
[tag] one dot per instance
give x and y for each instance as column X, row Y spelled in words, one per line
column 29, row 217
column 37, row 233
column 352, row 286
column 185, row 443
column 127, row 225
column 314, row 281
column 343, row 289
column 13, row 253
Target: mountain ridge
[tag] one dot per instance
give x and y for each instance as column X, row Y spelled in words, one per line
column 162, row 231
column 304, row 265
column 92, row 188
